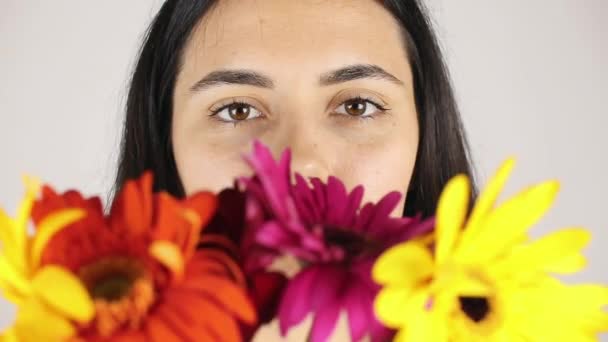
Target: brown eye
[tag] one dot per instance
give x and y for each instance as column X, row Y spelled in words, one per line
column 359, row 107
column 239, row 112
column 355, row 107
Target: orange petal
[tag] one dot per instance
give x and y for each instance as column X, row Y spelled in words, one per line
column 169, row 220
column 183, row 326
column 225, row 260
column 208, row 266
column 205, row 205
column 219, row 322
column 134, row 205
column 157, row 330
column 130, row 336
column 168, row 254
column 225, row 292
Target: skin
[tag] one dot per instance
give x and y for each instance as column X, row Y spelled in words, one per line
column 295, row 44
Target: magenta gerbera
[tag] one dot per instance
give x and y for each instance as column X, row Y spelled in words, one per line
column 335, row 240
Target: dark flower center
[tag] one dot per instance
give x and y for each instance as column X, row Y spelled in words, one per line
column 112, row 287
column 122, row 291
column 352, row 243
column 476, row 308
column 112, row 278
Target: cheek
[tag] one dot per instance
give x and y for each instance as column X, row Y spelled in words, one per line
column 204, row 166
column 383, row 166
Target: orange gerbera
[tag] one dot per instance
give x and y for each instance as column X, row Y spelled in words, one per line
column 141, row 266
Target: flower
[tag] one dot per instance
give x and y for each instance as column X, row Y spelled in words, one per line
column 335, row 240
column 43, row 312
column 484, row 280
column 228, row 223
column 141, row 266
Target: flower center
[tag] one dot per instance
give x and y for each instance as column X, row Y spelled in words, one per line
column 112, row 288
column 122, row 292
column 351, row 243
column 476, row 308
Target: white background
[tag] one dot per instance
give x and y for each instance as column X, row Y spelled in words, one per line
column 530, row 76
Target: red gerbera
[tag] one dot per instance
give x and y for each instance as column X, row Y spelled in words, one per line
column 141, row 266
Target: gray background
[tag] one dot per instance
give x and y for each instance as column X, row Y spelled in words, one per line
column 530, row 76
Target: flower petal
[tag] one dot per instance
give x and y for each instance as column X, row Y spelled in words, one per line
column 510, row 221
column 357, row 302
column 405, row 265
column 382, row 211
column 48, row 227
column 485, row 201
column 389, row 306
column 296, row 301
column 325, row 321
column 451, row 213
column 10, row 276
column 63, row 292
column 203, row 312
column 225, row 293
column 558, row 252
column 168, row 254
column 35, row 322
column 157, row 330
column 273, row 235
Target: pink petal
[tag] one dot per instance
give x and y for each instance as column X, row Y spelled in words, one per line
column 336, row 200
column 383, row 209
column 325, row 321
column 357, row 302
column 354, row 203
column 296, row 301
column 273, row 235
column 319, row 195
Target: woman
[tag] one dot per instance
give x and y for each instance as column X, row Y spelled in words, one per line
column 357, row 89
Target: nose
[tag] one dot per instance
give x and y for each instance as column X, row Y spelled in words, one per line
column 308, row 156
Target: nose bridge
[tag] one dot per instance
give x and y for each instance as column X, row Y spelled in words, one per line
column 301, row 133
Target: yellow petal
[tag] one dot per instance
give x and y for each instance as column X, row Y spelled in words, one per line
column 168, row 254
column 64, row 293
column 6, row 230
column 50, row 226
column 487, row 198
column 558, row 252
column 424, row 325
column 389, row 306
column 35, row 322
column 466, row 286
column 509, row 223
column 32, row 187
column 404, row 265
column 13, row 278
column 9, row 292
column 451, row 213
column 9, row 335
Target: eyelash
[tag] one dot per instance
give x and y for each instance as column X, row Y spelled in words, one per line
column 214, row 112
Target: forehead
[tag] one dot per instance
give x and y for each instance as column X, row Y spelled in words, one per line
column 314, row 35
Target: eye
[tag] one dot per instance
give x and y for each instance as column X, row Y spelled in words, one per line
column 236, row 111
column 360, row 107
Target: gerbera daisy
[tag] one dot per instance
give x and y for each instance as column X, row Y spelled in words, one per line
column 141, row 266
column 485, row 281
column 43, row 314
column 334, row 240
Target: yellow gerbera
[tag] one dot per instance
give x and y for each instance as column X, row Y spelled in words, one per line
column 484, row 281
column 48, row 299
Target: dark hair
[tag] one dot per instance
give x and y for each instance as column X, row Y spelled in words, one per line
column 146, row 142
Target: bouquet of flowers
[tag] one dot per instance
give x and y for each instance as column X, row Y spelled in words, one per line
column 204, row 267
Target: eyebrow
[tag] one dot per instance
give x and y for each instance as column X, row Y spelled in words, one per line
column 256, row 79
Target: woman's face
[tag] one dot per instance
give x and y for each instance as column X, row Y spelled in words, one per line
column 328, row 79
